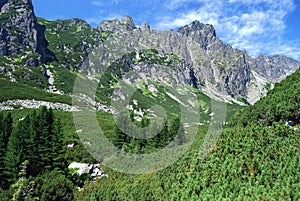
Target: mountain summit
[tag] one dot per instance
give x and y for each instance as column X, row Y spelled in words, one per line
column 195, row 54
column 21, row 33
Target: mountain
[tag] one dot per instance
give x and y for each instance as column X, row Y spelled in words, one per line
column 204, row 61
column 54, row 52
column 254, row 157
column 20, row 32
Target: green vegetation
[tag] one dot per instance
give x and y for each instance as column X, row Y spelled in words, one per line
column 243, row 100
column 256, row 157
column 172, row 131
column 105, row 35
column 34, row 156
column 70, row 40
column 63, row 78
column 12, row 91
column 268, row 86
column 280, row 105
column 251, row 161
column 154, row 57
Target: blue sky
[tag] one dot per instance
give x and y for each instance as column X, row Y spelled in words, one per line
column 257, row 26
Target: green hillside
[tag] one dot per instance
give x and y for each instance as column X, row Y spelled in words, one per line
column 282, row 104
column 256, row 158
column 251, row 161
column 13, row 91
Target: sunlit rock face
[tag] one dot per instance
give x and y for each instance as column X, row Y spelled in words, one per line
column 20, row 32
column 193, row 55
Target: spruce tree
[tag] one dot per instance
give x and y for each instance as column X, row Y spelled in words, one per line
column 5, row 133
column 7, row 127
column 174, row 128
column 161, row 139
column 120, row 138
column 176, row 132
column 57, row 151
column 33, row 146
column 45, row 124
column 14, row 156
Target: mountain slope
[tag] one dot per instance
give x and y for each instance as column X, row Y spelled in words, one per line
column 251, row 161
column 56, row 52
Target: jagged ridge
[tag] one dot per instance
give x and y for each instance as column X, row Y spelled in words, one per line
column 205, row 62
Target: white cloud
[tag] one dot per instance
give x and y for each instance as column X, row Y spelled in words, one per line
column 208, row 13
column 98, row 3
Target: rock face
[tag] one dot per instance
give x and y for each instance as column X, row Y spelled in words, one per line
column 205, row 62
column 276, row 67
column 20, row 32
column 193, row 55
column 204, row 34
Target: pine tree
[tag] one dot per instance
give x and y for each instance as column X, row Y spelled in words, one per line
column 174, row 128
column 180, row 137
column 45, row 124
column 7, row 127
column 120, row 138
column 161, row 139
column 57, row 153
column 5, row 133
column 33, row 146
column 45, row 142
column 13, row 157
column 176, row 132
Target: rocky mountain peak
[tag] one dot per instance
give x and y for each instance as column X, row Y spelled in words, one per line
column 128, row 22
column 21, row 33
column 116, row 25
column 275, row 67
column 202, row 33
column 197, row 26
column 145, row 26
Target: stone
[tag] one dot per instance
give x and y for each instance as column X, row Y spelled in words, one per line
column 27, row 34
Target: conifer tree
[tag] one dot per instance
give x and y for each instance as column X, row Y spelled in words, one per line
column 5, row 133
column 57, row 152
column 13, row 157
column 120, row 137
column 161, row 139
column 7, row 127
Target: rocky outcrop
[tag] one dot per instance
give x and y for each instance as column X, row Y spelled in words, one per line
column 205, row 61
column 275, row 68
column 11, row 104
column 204, row 34
column 84, row 168
column 125, row 24
column 20, row 33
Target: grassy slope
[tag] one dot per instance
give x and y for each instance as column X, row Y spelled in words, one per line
column 70, row 40
column 251, row 161
column 11, row 91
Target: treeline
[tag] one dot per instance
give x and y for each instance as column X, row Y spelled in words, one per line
column 154, row 136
